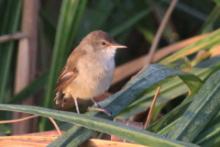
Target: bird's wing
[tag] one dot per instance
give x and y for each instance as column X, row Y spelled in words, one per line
column 70, row 72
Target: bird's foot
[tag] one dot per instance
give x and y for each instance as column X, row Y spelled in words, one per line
column 99, row 108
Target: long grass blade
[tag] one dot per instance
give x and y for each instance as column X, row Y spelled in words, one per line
column 99, row 124
column 10, row 25
column 205, row 105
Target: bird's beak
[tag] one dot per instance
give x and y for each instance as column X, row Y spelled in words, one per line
column 117, row 45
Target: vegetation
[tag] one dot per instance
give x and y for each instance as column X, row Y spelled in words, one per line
column 185, row 111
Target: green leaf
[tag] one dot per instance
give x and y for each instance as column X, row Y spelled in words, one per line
column 210, row 135
column 203, row 44
column 210, row 21
column 103, row 125
column 10, row 24
column 66, row 138
column 170, row 117
column 193, row 82
column 204, row 107
column 138, row 84
column 170, row 88
column 217, row 2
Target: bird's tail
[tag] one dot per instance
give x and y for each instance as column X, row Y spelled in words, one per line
column 59, row 98
column 63, row 102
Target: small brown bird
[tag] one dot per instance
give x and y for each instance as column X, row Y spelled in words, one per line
column 89, row 69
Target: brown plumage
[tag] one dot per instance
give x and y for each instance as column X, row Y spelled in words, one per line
column 89, row 69
column 70, row 71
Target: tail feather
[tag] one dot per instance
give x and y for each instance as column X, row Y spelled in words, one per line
column 63, row 101
column 66, row 102
column 59, row 98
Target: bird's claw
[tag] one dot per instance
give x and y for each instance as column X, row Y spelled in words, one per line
column 100, row 110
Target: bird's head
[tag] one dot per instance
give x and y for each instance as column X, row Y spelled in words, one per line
column 100, row 41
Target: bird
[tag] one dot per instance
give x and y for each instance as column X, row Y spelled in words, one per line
column 89, row 69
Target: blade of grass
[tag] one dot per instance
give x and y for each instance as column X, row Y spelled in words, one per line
column 99, row 124
column 67, row 138
column 205, row 43
column 170, row 89
column 212, row 18
column 210, row 135
column 170, row 117
column 150, row 113
column 10, row 25
column 205, row 105
column 189, row 10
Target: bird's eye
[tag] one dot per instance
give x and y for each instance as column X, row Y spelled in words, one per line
column 104, row 43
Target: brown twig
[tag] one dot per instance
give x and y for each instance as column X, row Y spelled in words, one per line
column 153, row 47
column 158, row 12
column 10, row 37
column 31, row 117
column 160, row 31
column 55, row 125
column 18, row 120
column 149, row 116
column 136, row 64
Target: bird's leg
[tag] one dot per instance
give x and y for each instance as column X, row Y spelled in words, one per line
column 95, row 103
column 76, row 105
column 99, row 108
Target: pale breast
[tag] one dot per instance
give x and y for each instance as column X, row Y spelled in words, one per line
column 95, row 76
